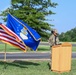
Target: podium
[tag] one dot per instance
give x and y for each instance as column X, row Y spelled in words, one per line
column 61, row 57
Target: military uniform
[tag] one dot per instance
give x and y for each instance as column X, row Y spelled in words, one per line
column 53, row 40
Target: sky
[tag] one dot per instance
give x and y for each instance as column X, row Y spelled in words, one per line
column 64, row 19
column 4, row 4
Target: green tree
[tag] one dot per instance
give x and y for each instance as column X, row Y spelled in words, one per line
column 68, row 36
column 33, row 12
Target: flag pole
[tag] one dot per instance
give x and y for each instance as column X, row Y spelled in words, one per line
column 5, row 52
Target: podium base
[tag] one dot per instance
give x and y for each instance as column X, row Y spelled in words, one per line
column 60, row 71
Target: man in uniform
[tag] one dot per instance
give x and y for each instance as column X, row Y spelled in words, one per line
column 53, row 40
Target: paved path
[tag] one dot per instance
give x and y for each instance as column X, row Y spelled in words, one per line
column 32, row 56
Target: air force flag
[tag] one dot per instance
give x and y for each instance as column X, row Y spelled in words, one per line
column 29, row 36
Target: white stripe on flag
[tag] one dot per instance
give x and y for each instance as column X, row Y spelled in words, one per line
column 6, row 37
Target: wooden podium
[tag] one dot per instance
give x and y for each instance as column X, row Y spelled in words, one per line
column 61, row 57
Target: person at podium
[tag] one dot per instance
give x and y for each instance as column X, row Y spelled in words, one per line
column 53, row 40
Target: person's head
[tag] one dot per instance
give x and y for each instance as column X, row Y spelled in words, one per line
column 55, row 32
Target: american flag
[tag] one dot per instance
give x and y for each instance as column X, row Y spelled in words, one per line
column 9, row 37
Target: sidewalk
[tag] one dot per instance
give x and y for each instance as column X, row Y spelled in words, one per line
column 29, row 52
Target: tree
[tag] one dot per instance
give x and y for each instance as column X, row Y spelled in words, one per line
column 68, row 36
column 33, row 12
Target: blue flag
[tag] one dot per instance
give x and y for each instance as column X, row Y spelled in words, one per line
column 29, row 36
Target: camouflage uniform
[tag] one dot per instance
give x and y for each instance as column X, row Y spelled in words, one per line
column 53, row 40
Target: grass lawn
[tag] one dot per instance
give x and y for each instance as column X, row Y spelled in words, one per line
column 74, row 49
column 14, row 49
column 47, row 48
column 9, row 48
column 31, row 68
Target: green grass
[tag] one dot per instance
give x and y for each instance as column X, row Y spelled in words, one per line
column 31, row 68
column 44, row 48
column 9, row 48
column 14, row 49
column 73, row 49
column 47, row 48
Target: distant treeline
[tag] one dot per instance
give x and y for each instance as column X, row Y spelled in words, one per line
column 68, row 36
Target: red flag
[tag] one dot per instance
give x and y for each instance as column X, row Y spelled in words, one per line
column 8, row 36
